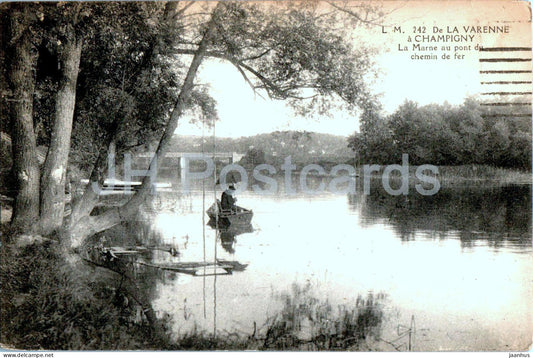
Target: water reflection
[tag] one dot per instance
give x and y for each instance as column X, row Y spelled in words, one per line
column 469, row 213
column 228, row 234
column 458, row 261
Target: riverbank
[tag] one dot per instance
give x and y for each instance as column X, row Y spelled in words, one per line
column 483, row 173
column 56, row 301
column 48, row 302
column 464, row 174
column 448, row 174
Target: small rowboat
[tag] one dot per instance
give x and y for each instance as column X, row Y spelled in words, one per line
column 238, row 217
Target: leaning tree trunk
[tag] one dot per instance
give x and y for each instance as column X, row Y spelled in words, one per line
column 25, row 165
column 87, row 225
column 54, row 175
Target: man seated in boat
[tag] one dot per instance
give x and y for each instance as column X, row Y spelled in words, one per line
column 227, row 201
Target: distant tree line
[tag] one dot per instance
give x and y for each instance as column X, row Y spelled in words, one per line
column 304, row 146
column 442, row 134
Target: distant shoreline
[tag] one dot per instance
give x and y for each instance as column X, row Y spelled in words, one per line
column 483, row 173
column 477, row 173
column 453, row 174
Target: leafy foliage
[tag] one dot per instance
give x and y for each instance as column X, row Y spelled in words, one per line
column 447, row 135
column 129, row 73
column 135, row 56
column 289, row 51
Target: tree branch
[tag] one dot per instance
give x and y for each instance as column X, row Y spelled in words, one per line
column 257, row 56
column 354, row 14
column 131, row 207
column 269, row 85
column 247, row 79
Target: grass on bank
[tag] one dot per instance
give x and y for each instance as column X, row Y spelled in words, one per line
column 464, row 174
column 45, row 304
column 460, row 173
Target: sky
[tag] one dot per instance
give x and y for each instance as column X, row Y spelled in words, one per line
column 242, row 113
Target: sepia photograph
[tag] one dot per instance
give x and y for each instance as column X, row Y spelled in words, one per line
column 344, row 175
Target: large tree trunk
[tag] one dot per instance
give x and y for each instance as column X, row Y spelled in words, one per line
column 86, row 225
column 25, row 165
column 55, row 167
column 83, row 206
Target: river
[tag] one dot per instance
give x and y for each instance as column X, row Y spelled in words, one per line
column 458, row 263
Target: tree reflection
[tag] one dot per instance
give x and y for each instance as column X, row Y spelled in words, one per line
column 469, row 212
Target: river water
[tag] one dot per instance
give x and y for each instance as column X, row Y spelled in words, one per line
column 458, row 263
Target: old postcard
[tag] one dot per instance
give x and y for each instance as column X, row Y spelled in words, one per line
column 266, row 175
